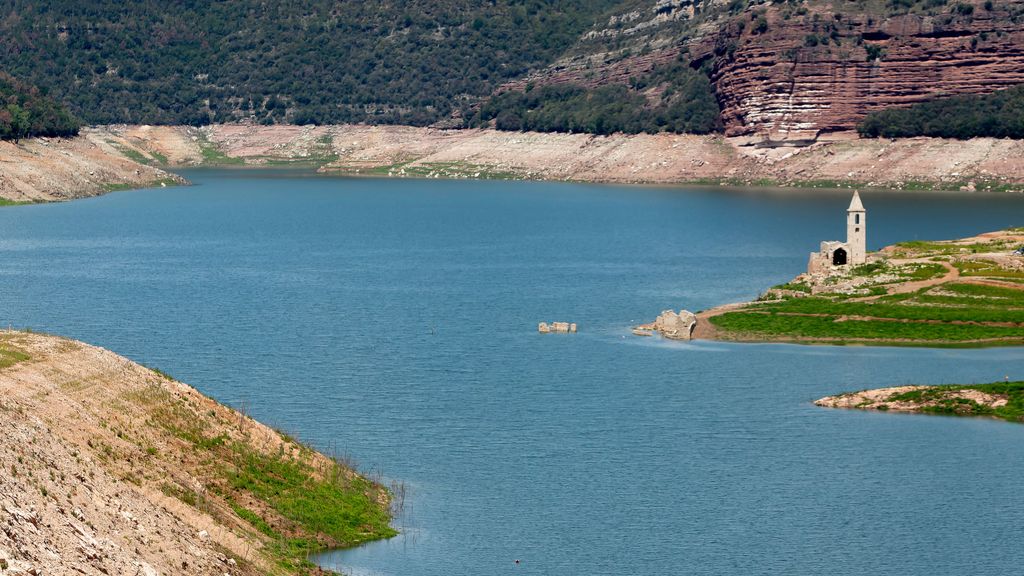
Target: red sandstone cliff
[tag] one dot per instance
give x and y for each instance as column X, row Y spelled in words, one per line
column 813, row 66
column 812, row 73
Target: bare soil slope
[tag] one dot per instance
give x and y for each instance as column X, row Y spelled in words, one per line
column 845, row 160
column 49, row 169
column 107, row 467
column 115, row 157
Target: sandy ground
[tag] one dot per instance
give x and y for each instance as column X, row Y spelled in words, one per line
column 84, row 473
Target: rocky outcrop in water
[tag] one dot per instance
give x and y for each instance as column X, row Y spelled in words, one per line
column 557, row 327
column 670, row 324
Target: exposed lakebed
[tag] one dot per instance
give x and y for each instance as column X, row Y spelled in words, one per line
column 396, row 321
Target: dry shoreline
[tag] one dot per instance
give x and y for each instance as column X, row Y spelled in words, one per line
column 107, row 157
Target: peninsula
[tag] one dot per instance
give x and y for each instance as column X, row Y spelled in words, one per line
column 957, row 293
column 110, row 467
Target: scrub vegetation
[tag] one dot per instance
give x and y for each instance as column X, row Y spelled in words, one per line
column 311, row 62
column 685, row 103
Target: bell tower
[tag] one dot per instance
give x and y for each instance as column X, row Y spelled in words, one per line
column 856, row 230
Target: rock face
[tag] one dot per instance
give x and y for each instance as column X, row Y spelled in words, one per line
column 824, row 70
column 676, row 326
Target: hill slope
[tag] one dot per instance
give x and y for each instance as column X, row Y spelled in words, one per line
column 305, row 61
column 771, row 70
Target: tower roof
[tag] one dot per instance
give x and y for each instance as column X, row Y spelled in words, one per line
column 855, row 204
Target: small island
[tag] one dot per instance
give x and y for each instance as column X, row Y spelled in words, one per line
column 1003, row 400
column 956, row 293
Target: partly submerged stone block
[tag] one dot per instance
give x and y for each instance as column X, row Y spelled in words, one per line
column 560, row 327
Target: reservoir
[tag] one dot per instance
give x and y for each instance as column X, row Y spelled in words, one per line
column 394, row 322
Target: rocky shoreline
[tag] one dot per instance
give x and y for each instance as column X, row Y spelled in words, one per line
column 109, row 157
column 997, row 400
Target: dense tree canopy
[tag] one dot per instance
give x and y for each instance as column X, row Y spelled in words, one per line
column 674, row 98
column 302, row 61
column 996, row 115
column 25, row 111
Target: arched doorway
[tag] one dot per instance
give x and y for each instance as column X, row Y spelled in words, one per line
column 839, row 257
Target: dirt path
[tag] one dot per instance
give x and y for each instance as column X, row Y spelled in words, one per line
column 705, row 329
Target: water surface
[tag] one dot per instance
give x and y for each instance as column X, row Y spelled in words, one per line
column 395, row 321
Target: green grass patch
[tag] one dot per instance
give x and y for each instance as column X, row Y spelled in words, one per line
column 9, row 357
column 794, row 287
column 987, row 269
column 213, row 156
column 332, row 503
column 812, row 328
column 255, row 520
column 6, row 202
column 121, row 186
column 930, row 248
column 135, row 155
column 952, row 313
column 303, row 503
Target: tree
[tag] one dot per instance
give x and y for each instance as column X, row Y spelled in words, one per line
column 19, row 125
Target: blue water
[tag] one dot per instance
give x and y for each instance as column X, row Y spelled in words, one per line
column 395, row 321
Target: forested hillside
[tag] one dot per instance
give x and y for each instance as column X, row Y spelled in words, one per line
column 996, row 115
column 301, row 61
column 26, row 111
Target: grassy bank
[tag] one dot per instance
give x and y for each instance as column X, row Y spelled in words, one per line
column 299, row 500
